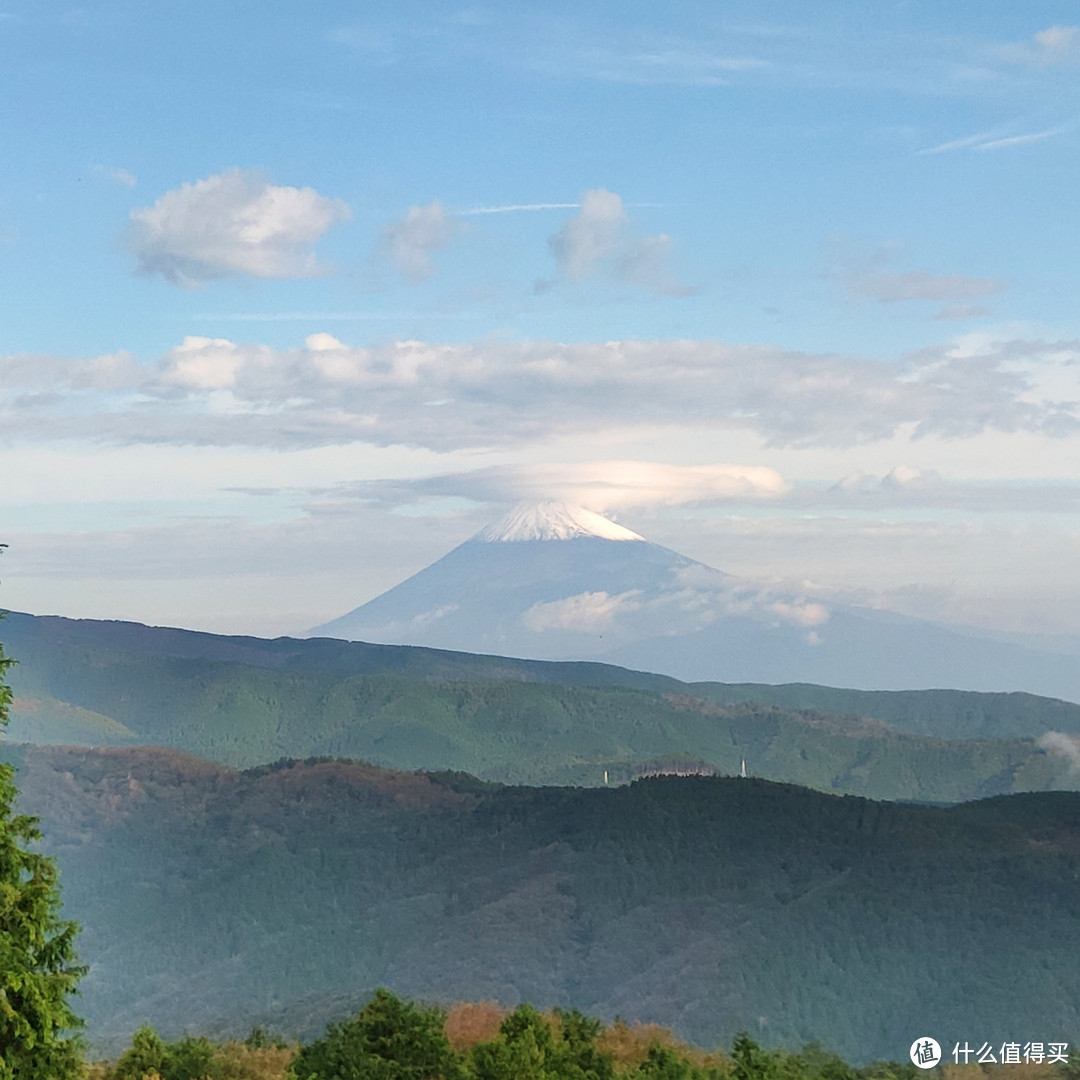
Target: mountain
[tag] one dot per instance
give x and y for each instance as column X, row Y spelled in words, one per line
column 558, row 582
column 211, row 896
column 244, row 701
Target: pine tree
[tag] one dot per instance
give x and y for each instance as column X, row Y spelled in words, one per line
column 38, row 966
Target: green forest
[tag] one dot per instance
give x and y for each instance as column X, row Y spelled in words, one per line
column 243, row 702
column 284, row 894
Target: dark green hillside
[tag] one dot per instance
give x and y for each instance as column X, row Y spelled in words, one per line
column 710, row 904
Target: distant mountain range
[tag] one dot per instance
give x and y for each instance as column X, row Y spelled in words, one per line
column 553, row 581
column 246, row 701
column 212, row 899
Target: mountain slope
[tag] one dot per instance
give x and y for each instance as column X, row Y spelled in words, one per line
column 52, row 648
column 709, row 904
column 508, row 729
column 558, row 582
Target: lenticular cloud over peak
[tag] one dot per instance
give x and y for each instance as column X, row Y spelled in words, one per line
column 553, row 521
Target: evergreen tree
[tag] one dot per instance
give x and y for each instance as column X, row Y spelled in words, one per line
column 750, row 1062
column 38, row 968
column 664, row 1064
column 389, row 1039
column 145, row 1057
column 525, row 1049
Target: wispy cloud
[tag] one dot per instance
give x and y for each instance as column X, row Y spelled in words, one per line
column 863, row 272
column 1056, row 45
column 993, row 140
column 514, row 208
column 897, row 287
column 116, row 175
column 1020, row 140
column 960, row 312
column 681, row 65
column 965, row 143
column 325, row 316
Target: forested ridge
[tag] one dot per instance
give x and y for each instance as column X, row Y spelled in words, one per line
column 242, row 701
column 283, row 893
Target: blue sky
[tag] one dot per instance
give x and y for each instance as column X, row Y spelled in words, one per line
column 294, row 296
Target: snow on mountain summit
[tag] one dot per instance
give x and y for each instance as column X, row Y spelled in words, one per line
column 553, row 521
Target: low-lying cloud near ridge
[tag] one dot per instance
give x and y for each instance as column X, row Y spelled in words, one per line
column 1062, row 745
column 213, row 391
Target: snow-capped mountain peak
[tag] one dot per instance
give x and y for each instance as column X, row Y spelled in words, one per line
column 553, row 521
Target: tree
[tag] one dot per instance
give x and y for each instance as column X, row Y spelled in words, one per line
column 525, row 1049
column 664, row 1064
column 389, row 1039
column 750, row 1062
column 532, row 1046
column 38, row 965
column 144, row 1058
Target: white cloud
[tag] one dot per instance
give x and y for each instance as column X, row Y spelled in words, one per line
column 482, row 395
column 593, row 233
column 410, row 242
column 205, row 364
column 799, row 612
column 1062, row 745
column 586, row 613
column 235, row 223
column 597, row 240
